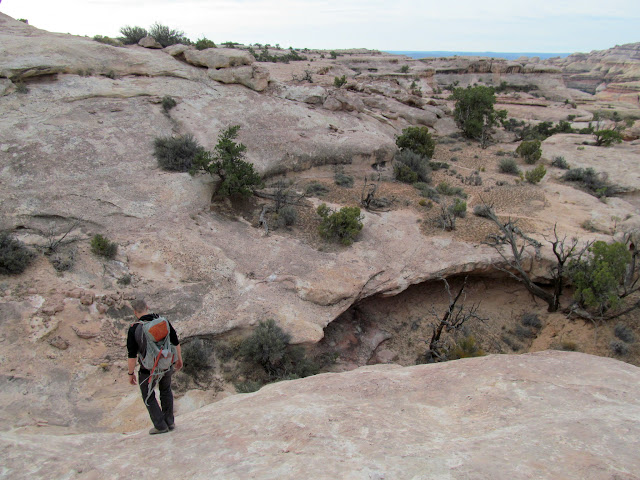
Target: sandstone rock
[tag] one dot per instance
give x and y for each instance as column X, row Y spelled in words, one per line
column 87, row 298
column 6, row 86
column 488, row 417
column 83, row 334
column 59, row 343
column 254, row 77
column 216, row 58
column 312, row 95
column 149, row 42
column 177, row 49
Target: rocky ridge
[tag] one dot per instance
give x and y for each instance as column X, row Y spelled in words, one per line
column 545, row 415
column 78, row 148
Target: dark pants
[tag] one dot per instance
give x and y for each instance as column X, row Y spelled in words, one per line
column 162, row 418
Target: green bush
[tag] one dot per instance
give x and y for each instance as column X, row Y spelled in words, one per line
column 248, row 386
column 594, row 182
column 343, row 225
column 598, row 275
column 15, row 257
column 560, row 162
column 132, row 35
column 418, row 140
column 530, row 151
column 404, row 174
column 343, row 180
column 168, row 103
column 204, row 43
column 474, row 113
column 535, row 175
column 103, row 247
column 483, row 210
column 411, row 167
column 435, row 166
column 266, row 346
column 340, row 81
column 508, row 165
column 195, row 356
column 238, row 177
column 316, row 188
column 108, row 41
column 459, row 208
column 287, row 215
column 176, row 154
column 166, row 36
column 445, row 189
column 606, row 138
column 427, row 191
column 404, row 69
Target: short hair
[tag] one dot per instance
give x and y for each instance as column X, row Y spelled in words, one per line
column 139, row 305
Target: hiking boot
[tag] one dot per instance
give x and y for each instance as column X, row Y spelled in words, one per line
column 172, row 426
column 155, row 431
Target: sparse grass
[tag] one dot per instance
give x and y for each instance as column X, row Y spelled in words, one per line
column 316, row 189
column 445, row 189
column 531, row 320
column 624, row 333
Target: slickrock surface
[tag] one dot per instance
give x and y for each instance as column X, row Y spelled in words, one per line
column 547, row 415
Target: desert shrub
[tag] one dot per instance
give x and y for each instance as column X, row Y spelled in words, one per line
column 103, row 247
column 124, row 280
column 63, row 261
column 474, row 113
column 340, row 81
column 508, row 165
column 132, row 35
column 606, row 138
column 619, row 348
column 204, row 43
column 195, row 356
column 168, row 103
column 445, row 219
column 411, row 167
column 624, row 333
column 426, row 191
column 21, row 87
column 531, row 320
column 535, row 175
column 238, row 177
column 418, row 140
column 482, row 211
column 569, row 346
column 560, row 162
column 404, row 69
column 176, row 154
column 166, row 36
column 316, row 188
column 267, row 346
column 343, row 225
column 108, row 40
column 465, row 348
column 445, row 189
column 522, row 332
column 404, row 174
column 343, row 180
column 598, row 275
column 333, row 54
column 15, row 257
column 474, row 179
column 459, row 208
column 530, row 151
column 592, row 181
column 287, row 215
column 438, row 165
column 248, row 386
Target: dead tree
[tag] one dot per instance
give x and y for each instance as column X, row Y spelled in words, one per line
column 523, row 248
column 368, row 193
column 453, row 319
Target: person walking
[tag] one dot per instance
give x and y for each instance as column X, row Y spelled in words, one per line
column 161, row 415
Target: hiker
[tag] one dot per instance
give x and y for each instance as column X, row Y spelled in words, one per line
column 159, row 367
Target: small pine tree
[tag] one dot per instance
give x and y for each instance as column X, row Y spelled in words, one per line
column 343, row 225
column 530, row 151
column 418, row 140
column 238, row 176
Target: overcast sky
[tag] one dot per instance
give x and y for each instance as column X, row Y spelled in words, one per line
column 459, row 25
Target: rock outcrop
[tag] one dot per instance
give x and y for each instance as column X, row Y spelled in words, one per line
column 547, row 415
